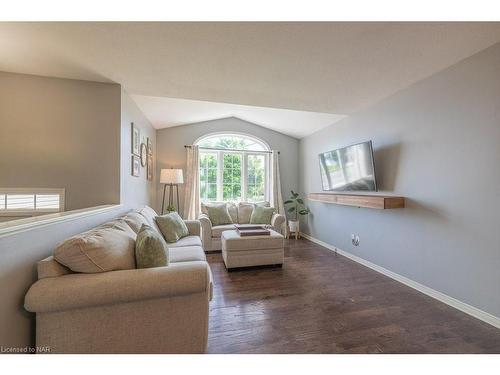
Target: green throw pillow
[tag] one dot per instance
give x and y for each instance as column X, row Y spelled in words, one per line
column 172, row 227
column 262, row 215
column 150, row 248
column 219, row 215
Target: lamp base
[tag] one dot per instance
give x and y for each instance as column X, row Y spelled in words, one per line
column 170, row 205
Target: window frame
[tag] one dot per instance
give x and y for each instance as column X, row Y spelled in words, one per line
column 217, row 173
column 32, row 191
column 244, row 166
column 267, row 185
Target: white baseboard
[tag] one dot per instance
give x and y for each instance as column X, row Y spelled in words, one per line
column 462, row 306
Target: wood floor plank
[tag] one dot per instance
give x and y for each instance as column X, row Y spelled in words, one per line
column 322, row 302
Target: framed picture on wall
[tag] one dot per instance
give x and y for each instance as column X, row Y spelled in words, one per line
column 150, row 147
column 144, row 154
column 136, row 166
column 150, row 168
column 136, row 140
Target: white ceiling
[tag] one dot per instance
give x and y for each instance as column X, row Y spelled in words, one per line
column 168, row 112
column 336, row 68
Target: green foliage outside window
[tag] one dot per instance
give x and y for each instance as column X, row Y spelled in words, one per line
column 231, row 177
column 232, row 169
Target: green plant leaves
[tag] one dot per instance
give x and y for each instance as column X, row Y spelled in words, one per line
column 296, row 201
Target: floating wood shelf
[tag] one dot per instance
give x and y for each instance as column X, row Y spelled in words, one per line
column 382, row 202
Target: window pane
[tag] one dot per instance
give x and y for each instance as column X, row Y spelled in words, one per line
column 2, row 201
column 212, row 175
column 256, row 178
column 231, row 177
column 232, row 142
column 208, row 176
column 212, row 192
column 227, row 175
column 47, row 201
column 20, row 201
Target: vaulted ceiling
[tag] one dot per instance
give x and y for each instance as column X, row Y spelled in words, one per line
column 168, row 112
column 335, row 68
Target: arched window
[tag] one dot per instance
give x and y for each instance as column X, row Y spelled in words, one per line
column 233, row 168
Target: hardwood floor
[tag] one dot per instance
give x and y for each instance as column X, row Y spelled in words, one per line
column 321, row 302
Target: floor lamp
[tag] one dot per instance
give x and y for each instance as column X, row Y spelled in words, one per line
column 172, row 178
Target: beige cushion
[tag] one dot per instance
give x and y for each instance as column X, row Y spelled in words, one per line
column 218, row 229
column 244, row 212
column 150, row 215
column 186, row 241
column 49, row 267
column 186, row 254
column 108, row 247
column 135, row 221
column 231, row 208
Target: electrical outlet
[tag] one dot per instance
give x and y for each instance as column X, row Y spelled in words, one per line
column 355, row 239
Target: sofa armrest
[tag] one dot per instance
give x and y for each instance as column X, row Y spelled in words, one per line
column 194, row 227
column 206, row 232
column 77, row 291
column 277, row 222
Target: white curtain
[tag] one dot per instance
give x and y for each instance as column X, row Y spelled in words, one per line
column 192, row 184
column 276, row 196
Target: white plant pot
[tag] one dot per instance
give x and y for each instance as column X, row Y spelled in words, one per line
column 293, row 225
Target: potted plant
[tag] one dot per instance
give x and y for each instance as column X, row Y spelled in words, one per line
column 171, row 208
column 297, row 208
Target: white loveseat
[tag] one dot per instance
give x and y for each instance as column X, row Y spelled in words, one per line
column 240, row 214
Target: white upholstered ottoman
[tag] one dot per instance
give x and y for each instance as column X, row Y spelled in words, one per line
column 251, row 251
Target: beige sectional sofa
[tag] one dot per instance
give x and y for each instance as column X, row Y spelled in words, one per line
column 153, row 310
column 240, row 214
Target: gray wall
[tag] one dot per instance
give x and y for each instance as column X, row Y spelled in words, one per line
column 18, row 256
column 135, row 191
column 438, row 144
column 171, row 152
column 61, row 133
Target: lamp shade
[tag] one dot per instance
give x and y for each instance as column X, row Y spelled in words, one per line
column 171, row 176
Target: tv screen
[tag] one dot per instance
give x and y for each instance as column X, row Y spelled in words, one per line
column 348, row 169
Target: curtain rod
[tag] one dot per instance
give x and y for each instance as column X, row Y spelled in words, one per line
column 226, row 149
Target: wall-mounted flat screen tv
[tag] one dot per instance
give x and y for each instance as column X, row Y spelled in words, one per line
column 348, row 169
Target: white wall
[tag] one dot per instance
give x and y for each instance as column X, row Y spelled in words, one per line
column 135, row 191
column 438, row 144
column 61, row 133
column 171, row 151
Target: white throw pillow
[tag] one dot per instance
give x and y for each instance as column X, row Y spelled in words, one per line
column 108, row 247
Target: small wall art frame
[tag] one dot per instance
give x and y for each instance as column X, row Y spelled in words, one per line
column 136, row 139
column 136, row 166
column 150, row 168
column 150, row 147
column 144, row 154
